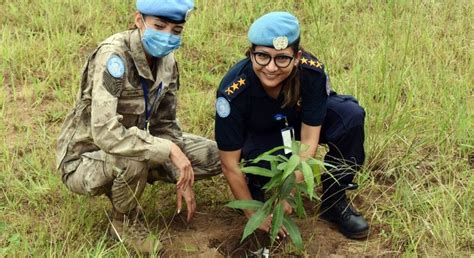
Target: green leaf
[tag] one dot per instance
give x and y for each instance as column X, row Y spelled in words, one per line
column 317, row 173
column 275, row 181
column 277, row 221
column 268, row 158
column 287, row 186
column 291, row 201
column 257, row 218
column 300, row 212
column 295, row 147
column 243, row 163
column 282, row 166
column 245, row 204
column 293, row 232
column 258, row 171
column 283, row 157
column 273, row 166
column 322, row 164
column 291, row 166
column 302, row 188
column 267, row 154
column 304, row 148
column 308, row 178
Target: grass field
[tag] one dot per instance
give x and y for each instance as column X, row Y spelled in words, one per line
column 410, row 63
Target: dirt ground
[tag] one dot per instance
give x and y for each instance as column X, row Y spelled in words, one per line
column 217, row 233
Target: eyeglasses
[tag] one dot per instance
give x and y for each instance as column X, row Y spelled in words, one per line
column 281, row 61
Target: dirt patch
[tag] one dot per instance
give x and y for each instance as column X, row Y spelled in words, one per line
column 217, row 233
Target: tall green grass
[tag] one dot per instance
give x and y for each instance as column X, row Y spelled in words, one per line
column 408, row 62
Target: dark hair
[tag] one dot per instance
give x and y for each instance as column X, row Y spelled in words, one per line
column 291, row 85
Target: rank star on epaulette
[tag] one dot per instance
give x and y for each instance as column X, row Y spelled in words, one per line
column 319, row 65
column 311, row 62
column 234, row 88
column 229, row 91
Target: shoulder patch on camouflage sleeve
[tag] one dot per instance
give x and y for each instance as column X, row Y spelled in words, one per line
column 238, row 85
column 113, row 75
column 310, row 62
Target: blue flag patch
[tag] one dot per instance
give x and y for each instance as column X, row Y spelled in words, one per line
column 115, row 66
column 222, row 107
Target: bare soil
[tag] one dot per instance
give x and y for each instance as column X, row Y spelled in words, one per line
column 217, row 233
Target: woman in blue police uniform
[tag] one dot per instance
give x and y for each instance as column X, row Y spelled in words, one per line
column 277, row 86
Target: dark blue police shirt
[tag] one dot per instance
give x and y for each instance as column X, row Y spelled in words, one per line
column 251, row 125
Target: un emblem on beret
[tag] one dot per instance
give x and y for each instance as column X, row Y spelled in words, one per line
column 280, row 43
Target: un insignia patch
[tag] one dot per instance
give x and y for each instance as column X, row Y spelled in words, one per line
column 115, row 66
column 222, row 107
column 113, row 76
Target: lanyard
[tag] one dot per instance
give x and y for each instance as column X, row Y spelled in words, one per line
column 148, row 110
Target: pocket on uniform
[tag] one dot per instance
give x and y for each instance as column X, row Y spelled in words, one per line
column 131, row 109
column 96, row 179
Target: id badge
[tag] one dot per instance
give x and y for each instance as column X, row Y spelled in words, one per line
column 287, row 134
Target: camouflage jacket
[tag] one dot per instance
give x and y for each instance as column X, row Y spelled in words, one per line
column 109, row 113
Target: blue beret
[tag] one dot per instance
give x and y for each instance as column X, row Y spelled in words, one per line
column 275, row 29
column 175, row 10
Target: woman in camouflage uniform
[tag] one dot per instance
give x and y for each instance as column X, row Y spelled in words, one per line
column 123, row 130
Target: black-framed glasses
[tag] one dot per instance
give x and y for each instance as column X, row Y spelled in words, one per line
column 263, row 59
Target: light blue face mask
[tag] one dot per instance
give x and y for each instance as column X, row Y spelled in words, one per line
column 159, row 44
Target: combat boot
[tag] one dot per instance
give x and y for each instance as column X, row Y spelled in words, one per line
column 128, row 229
column 338, row 210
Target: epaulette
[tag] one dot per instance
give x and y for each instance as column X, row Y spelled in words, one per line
column 233, row 89
column 310, row 62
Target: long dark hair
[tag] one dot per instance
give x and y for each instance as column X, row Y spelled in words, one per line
column 291, row 85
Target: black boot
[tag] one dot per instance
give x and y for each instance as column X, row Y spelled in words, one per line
column 338, row 210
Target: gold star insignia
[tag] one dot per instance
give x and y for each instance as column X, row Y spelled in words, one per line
column 304, row 60
column 229, row 91
column 319, row 65
column 241, row 81
column 312, row 63
column 234, row 86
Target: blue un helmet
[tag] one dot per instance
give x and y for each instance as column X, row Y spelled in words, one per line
column 174, row 10
column 275, row 29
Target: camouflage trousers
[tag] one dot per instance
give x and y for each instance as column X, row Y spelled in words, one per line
column 123, row 179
